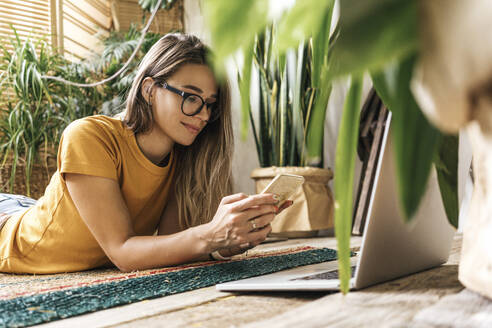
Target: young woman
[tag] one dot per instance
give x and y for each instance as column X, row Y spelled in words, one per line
column 163, row 165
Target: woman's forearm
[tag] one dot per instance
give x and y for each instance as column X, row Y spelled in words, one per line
column 146, row 252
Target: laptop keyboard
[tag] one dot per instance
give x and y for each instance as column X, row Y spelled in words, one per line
column 329, row 275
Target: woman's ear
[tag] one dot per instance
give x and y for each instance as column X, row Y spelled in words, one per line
column 146, row 89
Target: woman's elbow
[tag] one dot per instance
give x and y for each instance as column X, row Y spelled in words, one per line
column 122, row 261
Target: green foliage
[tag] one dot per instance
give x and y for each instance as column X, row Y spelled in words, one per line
column 380, row 36
column 293, row 30
column 118, row 47
column 446, row 162
column 275, row 113
column 37, row 110
column 415, row 140
column 373, row 33
column 284, row 133
column 344, row 177
column 149, row 5
column 250, row 17
column 293, row 100
column 244, row 81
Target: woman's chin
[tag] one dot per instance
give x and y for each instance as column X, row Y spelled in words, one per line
column 186, row 141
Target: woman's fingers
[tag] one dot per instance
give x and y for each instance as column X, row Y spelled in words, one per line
column 260, row 221
column 258, row 211
column 260, row 234
column 254, row 200
column 242, row 219
column 233, row 198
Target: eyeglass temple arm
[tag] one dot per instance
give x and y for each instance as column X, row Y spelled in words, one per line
column 170, row 88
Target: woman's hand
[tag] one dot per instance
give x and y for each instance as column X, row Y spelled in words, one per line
column 227, row 252
column 242, row 222
column 241, row 219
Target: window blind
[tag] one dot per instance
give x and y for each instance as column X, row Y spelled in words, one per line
column 30, row 18
column 85, row 22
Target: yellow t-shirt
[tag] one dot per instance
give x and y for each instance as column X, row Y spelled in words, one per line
column 51, row 236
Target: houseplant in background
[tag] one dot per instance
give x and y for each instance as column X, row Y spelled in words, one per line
column 379, row 37
column 36, row 112
column 118, row 47
column 288, row 129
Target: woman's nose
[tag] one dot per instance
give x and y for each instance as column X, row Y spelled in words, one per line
column 205, row 113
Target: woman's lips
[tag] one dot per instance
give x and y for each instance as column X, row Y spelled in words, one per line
column 193, row 129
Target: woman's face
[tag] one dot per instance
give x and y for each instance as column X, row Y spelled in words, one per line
column 169, row 120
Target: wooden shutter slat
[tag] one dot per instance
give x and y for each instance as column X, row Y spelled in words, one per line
column 24, row 10
column 84, row 7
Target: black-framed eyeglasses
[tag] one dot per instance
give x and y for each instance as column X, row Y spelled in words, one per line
column 193, row 104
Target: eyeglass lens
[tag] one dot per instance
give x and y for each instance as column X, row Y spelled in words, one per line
column 193, row 104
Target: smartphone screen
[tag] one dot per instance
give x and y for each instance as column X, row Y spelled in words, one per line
column 284, row 185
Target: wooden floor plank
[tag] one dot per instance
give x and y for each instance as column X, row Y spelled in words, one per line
column 391, row 304
column 465, row 309
column 228, row 312
column 140, row 310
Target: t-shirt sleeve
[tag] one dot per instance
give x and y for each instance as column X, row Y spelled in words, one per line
column 86, row 148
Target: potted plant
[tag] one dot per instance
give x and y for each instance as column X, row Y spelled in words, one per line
column 288, row 126
column 379, row 37
column 38, row 109
column 32, row 120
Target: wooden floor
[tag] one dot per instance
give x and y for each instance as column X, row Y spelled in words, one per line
column 433, row 298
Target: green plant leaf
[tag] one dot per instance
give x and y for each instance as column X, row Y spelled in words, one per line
column 302, row 21
column 321, row 83
column 284, row 125
column 298, row 86
column 373, row 32
column 415, row 140
column 344, row 177
column 244, row 89
column 149, row 5
column 265, row 135
column 233, row 25
column 316, row 126
column 446, row 163
column 321, row 47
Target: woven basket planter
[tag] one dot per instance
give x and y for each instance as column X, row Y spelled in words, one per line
column 40, row 177
column 313, row 203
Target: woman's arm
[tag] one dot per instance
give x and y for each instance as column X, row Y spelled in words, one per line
column 169, row 224
column 101, row 206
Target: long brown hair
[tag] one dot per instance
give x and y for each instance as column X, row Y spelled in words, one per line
column 203, row 169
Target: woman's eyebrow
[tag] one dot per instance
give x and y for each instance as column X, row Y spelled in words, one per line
column 197, row 89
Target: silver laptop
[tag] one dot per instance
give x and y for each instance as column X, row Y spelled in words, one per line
column 390, row 248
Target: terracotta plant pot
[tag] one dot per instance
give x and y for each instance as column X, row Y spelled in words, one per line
column 313, row 203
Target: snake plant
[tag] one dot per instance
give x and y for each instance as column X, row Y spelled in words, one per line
column 288, row 127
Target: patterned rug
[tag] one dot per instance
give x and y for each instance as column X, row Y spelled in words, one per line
column 32, row 299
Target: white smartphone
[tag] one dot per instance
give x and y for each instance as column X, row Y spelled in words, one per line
column 284, row 185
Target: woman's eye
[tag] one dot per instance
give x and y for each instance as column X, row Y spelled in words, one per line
column 192, row 99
